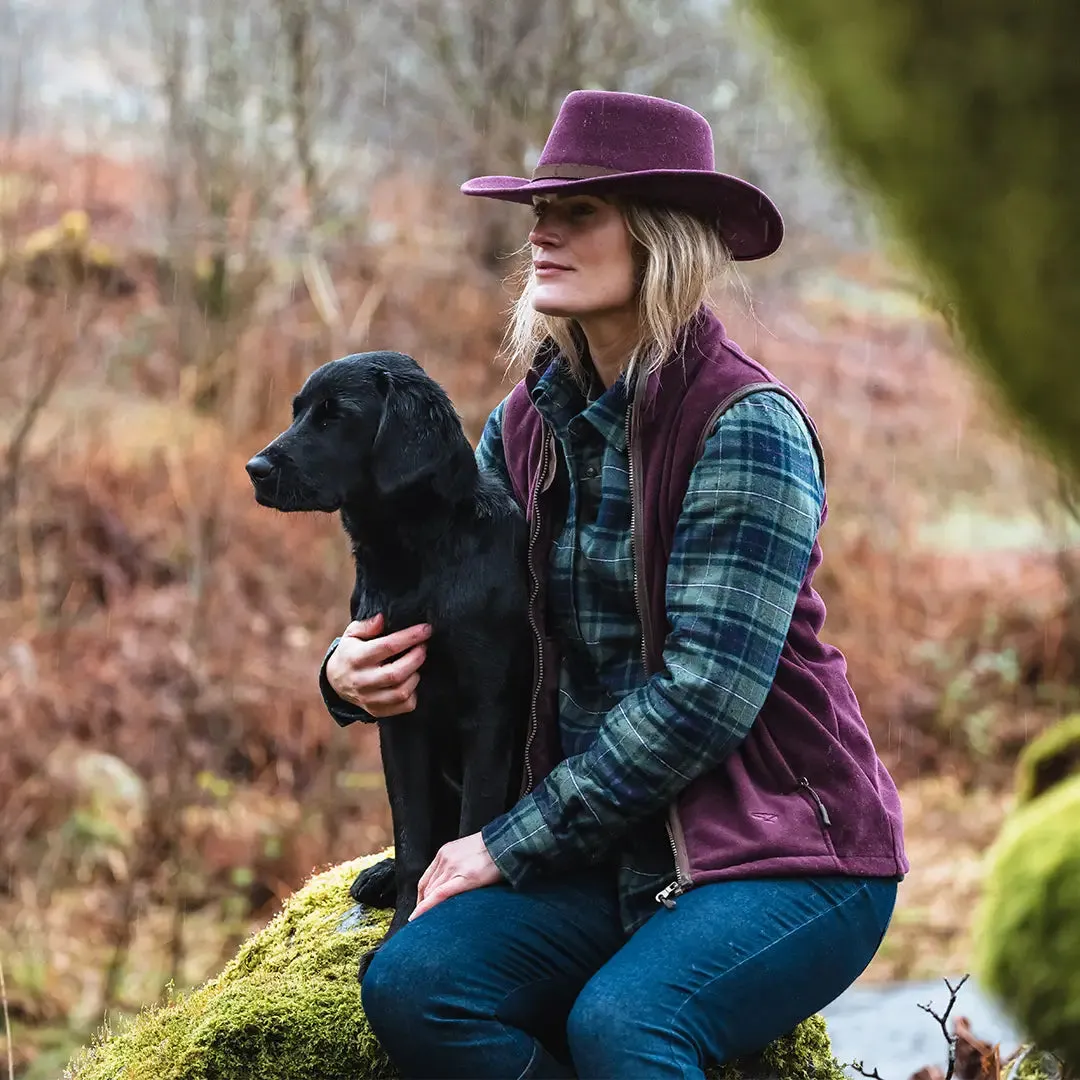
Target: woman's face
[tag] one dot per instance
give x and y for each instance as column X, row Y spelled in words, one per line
column 582, row 254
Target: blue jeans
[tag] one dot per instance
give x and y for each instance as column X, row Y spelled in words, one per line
column 542, row 982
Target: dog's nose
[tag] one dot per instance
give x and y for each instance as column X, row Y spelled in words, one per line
column 259, row 467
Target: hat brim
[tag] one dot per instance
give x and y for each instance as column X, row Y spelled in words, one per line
column 747, row 219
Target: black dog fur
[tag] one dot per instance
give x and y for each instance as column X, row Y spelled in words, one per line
column 434, row 540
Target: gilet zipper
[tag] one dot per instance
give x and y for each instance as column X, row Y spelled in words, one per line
column 682, row 880
column 534, row 581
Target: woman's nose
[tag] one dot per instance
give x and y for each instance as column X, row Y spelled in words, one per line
column 542, row 234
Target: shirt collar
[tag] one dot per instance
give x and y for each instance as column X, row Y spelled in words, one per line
column 559, row 398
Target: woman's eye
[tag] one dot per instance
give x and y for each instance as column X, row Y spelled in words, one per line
column 564, row 211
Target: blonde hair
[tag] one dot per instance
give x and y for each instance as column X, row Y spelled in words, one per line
column 679, row 257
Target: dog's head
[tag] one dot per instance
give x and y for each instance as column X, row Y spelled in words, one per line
column 368, row 426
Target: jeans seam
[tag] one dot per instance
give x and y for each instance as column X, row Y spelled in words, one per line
column 772, row 944
column 527, row 1071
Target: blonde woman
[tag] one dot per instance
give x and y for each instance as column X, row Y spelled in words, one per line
column 707, row 847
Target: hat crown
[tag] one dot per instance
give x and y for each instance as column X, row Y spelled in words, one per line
column 619, row 132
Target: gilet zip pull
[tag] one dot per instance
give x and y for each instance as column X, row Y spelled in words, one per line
column 825, row 819
column 664, row 896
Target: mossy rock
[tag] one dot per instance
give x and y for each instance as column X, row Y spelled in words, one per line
column 1027, row 927
column 961, row 118
column 287, row 1007
column 1035, row 1064
column 1028, row 924
column 1050, row 758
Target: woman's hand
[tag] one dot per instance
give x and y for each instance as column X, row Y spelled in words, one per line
column 359, row 671
column 459, row 866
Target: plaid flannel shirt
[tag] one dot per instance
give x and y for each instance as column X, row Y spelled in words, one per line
column 742, row 545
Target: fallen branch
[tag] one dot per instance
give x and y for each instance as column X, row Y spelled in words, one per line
column 976, row 1059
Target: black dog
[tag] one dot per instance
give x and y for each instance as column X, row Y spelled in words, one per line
column 434, row 540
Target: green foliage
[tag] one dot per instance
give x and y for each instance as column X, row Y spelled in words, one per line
column 962, row 118
column 287, row 1007
column 979, row 682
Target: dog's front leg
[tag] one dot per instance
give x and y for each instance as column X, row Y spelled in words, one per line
column 491, row 767
column 406, row 758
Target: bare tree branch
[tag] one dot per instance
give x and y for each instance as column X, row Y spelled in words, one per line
column 942, row 1020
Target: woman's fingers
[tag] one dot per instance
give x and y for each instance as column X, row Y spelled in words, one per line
column 429, row 875
column 393, row 701
column 383, row 648
column 443, row 891
column 364, row 629
column 392, row 675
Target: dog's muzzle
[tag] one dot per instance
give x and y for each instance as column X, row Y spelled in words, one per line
column 266, row 480
column 259, row 468
column 277, row 486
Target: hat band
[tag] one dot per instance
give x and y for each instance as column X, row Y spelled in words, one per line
column 572, row 172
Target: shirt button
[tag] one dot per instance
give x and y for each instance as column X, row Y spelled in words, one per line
column 590, row 472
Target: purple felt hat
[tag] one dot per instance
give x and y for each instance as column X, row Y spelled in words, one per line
column 651, row 149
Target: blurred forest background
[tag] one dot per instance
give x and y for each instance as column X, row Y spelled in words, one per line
column 202, row 201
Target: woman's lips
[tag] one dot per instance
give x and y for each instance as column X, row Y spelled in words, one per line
column 543, row 268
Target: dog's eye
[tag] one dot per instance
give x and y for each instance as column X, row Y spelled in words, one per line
column 324, row 412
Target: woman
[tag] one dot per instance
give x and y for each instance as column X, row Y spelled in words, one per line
column 707, row 849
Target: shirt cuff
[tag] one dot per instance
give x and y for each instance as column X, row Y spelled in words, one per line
column 516, row 838
column 343, row 712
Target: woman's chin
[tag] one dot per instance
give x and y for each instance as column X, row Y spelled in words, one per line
column 554, row 302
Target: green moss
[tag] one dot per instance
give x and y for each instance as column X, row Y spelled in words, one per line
column 961, row 117
column 287, row 1007
column 1027, row 927
column 806, row 1054
column 1048, row 759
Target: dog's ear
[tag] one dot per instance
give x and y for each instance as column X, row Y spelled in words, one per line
column 419, row 439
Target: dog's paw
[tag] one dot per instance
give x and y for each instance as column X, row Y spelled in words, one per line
column 365, row 963
column 376, row 886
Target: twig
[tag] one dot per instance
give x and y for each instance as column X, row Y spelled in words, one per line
column 861, row 1070
column 28, row 418
column 943, row 1021
column 7, row 1026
